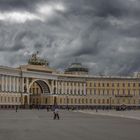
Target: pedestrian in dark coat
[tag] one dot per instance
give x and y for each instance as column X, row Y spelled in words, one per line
column 56, row 114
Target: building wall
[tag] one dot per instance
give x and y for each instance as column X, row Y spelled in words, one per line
column 69, row 90
column 114, row 91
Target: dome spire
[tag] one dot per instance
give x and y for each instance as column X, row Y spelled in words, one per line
column 76, row 68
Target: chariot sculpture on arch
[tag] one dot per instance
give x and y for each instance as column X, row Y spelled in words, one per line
column 35, row 60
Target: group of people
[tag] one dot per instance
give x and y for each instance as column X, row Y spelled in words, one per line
column 55, row 112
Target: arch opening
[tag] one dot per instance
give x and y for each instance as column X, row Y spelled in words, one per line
column 39, row 87
column 39, row 90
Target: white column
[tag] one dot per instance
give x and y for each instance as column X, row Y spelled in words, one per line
column 9, row 83
column 6, row 83
column 17, row 84
column 73, row 88
column 27, row 84
column 80, row 89
column 77, row 88
column 56, row 87
column 69, row 87
column 14, row 84
column 84, row 88
column 66, row 87
column 22, row 84
column 62, row 87
column 2, row 82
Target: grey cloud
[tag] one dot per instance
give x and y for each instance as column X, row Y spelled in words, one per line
column 96, row 32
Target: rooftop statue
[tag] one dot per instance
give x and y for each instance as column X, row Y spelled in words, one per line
column 35, row 60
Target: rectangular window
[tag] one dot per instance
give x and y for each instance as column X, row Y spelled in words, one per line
column 90, row 84
column 103, row 92
column 60, row 100
column 123, row 92
column 134, row 92
column 113, row 92
column 99, row 92
column 75, row 101
column 71, row 91
column 118, row 91
column 128, row 92
column 90, row 91
column 134, row 101
column 90, row 101
column 71, row 101
column 107, row 92
column 112, row 84
column 94, row 91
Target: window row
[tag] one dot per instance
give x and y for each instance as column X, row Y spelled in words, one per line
column 75, row 91
column 70, row 84
column 97, row 101
column 9, row 99
column 113, row 84
column 114, row 92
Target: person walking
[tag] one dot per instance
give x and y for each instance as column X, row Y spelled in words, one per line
column 56, row 114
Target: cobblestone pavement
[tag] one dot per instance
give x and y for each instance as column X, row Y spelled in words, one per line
column 39, row 125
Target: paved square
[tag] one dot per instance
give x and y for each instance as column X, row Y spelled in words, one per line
column 39, row 125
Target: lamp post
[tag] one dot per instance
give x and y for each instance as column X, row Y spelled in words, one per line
column 110, row 102
column 67, row 102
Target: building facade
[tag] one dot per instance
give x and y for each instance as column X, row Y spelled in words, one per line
column 37, row 85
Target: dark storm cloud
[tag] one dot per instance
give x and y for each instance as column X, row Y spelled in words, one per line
column 102, row 34
column 18, row 4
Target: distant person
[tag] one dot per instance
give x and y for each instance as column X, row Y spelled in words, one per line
column 96, row 109
column 56, row 114
column 47, row 108
column 16, row 108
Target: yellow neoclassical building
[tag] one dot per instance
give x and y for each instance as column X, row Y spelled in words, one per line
column 37, row 85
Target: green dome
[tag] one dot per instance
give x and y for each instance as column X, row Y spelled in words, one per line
column 76, row 67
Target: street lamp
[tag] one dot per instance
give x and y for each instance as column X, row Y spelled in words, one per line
column 110, row 101
column 67, row 101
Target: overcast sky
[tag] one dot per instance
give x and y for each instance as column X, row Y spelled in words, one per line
column 102, row 34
